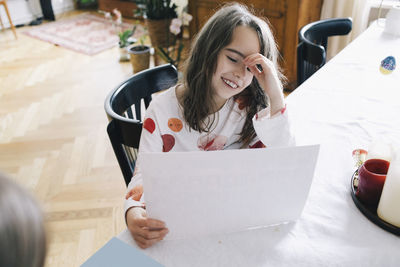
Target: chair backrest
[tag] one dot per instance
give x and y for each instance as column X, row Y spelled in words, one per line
column 313, row 39
column 125, row 126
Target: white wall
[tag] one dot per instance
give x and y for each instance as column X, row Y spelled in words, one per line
column 24, row 11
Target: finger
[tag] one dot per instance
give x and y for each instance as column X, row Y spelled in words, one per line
column 150, row 223
column 150, row 234
column 254, row 70
column 266, row 66
column 255, row 67
column 256, row 59
column 145, row 243
column 140, row 232
column 140, row 221
column 155, row 224
column 253, row 56
column 145, row 240
column 260, row 59
column 139, row 243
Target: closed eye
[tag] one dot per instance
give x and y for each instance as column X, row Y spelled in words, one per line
column 231, row 59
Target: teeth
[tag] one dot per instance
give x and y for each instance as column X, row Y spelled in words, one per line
column 231, row 84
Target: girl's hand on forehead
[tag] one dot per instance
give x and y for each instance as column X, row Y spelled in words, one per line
column 266, row 74
column 264, row 70
column 259, row 65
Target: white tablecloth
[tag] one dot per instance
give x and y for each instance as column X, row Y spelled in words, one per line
column 342, row 107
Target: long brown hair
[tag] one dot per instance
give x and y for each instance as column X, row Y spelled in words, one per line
column 197, row 101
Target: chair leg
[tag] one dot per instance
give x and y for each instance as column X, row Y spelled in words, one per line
column 2, row 25
column 9, row 19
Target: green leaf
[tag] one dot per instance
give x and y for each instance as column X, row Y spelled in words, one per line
column 165, row 56
column 180, row 48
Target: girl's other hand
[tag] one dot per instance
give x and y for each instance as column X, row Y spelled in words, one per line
column 145, row 231
column 264, row 70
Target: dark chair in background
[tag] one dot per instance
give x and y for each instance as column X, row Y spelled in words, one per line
column 125, row 126
column 313, row 38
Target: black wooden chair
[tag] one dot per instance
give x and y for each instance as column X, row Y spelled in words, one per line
column 313, row 39
column 125, row 127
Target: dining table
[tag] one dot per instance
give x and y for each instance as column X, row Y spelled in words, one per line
column 344, row 106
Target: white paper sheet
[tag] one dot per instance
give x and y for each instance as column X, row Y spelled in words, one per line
column 203, row 193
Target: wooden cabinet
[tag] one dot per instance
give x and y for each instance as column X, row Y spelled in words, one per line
column 285, row 16
column 126, row 7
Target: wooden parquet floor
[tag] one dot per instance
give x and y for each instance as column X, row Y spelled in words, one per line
column 53, row 140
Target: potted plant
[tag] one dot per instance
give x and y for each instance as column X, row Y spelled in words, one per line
column 124, row 34
column 173, row 53
column 125, row 40
column 158, row 15
column 139, row 55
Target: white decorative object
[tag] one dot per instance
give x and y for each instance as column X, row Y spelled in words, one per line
column 389, row 204
column 392, row 24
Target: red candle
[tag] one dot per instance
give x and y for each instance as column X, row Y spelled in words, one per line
column 372, row 175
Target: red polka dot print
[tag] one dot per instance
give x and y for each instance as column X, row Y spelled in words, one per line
column 258, row 144
column 283, row 110
column 136, row 193
column 149, row 125
column 168, row 142
column 175, row 124
column 211, row 142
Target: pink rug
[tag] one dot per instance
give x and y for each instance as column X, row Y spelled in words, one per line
column 85, row 33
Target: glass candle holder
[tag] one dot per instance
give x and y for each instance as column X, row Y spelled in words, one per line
column 371, row 175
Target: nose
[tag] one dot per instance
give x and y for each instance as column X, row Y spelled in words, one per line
column 240, row 71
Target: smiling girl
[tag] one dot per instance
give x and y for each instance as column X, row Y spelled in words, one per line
column 231, row 98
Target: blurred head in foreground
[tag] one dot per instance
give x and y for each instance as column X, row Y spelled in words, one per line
column 22, row 233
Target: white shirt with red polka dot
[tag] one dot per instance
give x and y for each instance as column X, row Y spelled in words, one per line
column 164, row 129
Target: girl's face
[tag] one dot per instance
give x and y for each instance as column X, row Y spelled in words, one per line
column 231, row 76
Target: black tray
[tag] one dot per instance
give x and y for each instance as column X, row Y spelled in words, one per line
column 370, row 211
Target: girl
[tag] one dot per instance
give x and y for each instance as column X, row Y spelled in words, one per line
column 231, row 98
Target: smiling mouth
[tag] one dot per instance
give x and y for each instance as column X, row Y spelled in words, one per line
column 230, row 83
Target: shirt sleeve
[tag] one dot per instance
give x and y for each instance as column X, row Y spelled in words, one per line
column 150, row 141
column 272, row 131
